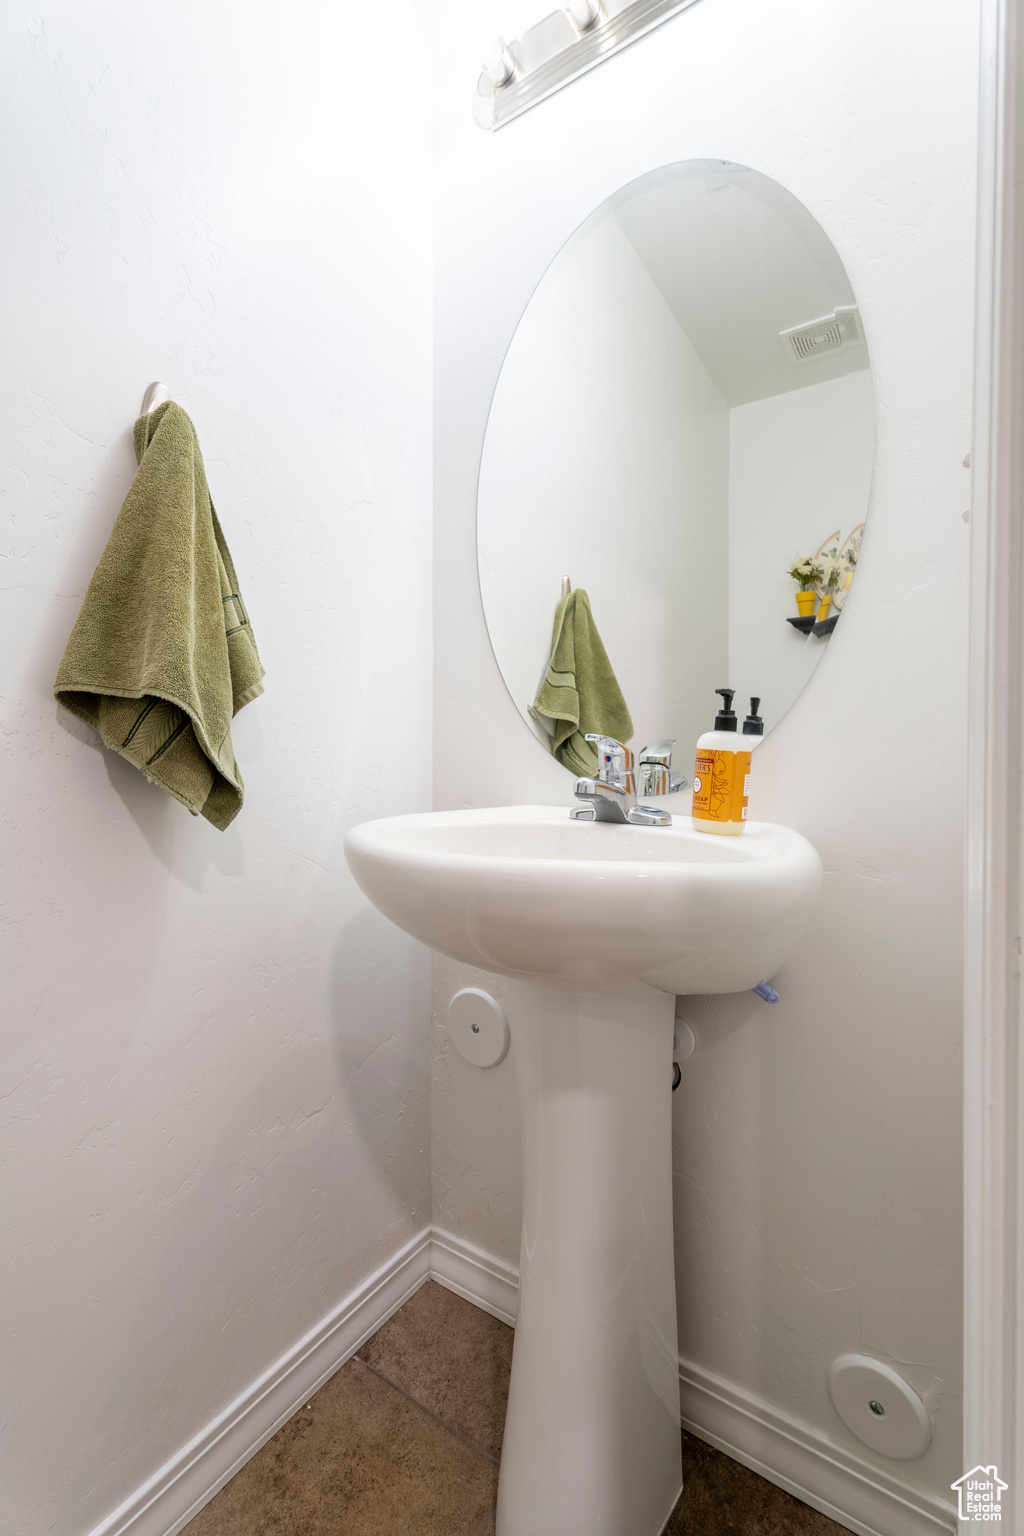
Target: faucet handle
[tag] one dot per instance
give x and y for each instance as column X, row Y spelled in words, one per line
column 613, row 758
column 659, row 752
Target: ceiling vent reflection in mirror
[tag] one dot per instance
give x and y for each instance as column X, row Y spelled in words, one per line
column 517, row 75
column 831, row 333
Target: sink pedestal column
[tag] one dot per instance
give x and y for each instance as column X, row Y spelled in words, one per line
column 591, row 1442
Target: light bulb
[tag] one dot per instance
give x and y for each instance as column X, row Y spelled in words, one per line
column 498, row 64
column 583, row 13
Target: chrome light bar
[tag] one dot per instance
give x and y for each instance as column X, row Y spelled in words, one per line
column 559, row 49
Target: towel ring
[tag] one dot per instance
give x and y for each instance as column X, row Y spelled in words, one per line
column 155, row 395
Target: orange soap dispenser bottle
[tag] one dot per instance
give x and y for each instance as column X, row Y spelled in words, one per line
column 721, row 775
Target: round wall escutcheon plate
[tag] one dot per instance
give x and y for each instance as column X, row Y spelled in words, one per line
column 477, row 1027
column 879, row 1407
column 684, row 1041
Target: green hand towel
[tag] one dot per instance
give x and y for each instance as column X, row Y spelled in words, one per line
column 162, row 656
column 579, row 691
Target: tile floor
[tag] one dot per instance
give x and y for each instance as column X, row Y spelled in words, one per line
column 405, row 1440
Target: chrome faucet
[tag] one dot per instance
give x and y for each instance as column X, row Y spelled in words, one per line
column 611, row 796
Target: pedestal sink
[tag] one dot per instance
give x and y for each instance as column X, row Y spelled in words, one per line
column 600, row 926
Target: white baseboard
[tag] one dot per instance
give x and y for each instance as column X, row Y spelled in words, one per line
column 179, row 1490
column 785, row 1451
column 487, row 1282
column 857, row 1495
column 854, row 1493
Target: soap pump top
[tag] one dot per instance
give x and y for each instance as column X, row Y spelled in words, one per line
column 753, row 725
column 725, row 720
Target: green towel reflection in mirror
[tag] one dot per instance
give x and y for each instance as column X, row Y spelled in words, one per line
column 580, row 692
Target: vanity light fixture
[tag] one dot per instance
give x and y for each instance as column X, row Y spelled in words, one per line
column 516, row 76
column 583, row 13
column 498, row 65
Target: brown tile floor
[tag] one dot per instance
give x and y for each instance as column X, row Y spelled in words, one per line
column 406, row 1437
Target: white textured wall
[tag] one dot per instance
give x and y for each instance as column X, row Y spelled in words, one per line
column 213, row 1070
column 605, row 417
column 799, row 467
column 818, row 1142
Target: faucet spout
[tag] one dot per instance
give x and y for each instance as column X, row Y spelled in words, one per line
column 601, row 802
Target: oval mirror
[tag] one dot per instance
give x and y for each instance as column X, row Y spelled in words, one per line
column 684, row 416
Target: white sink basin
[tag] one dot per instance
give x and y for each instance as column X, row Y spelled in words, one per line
column 599, row 925
column 524, row 891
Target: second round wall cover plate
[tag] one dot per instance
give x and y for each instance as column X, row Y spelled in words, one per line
column 879, row 1407
column 477, row 1027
